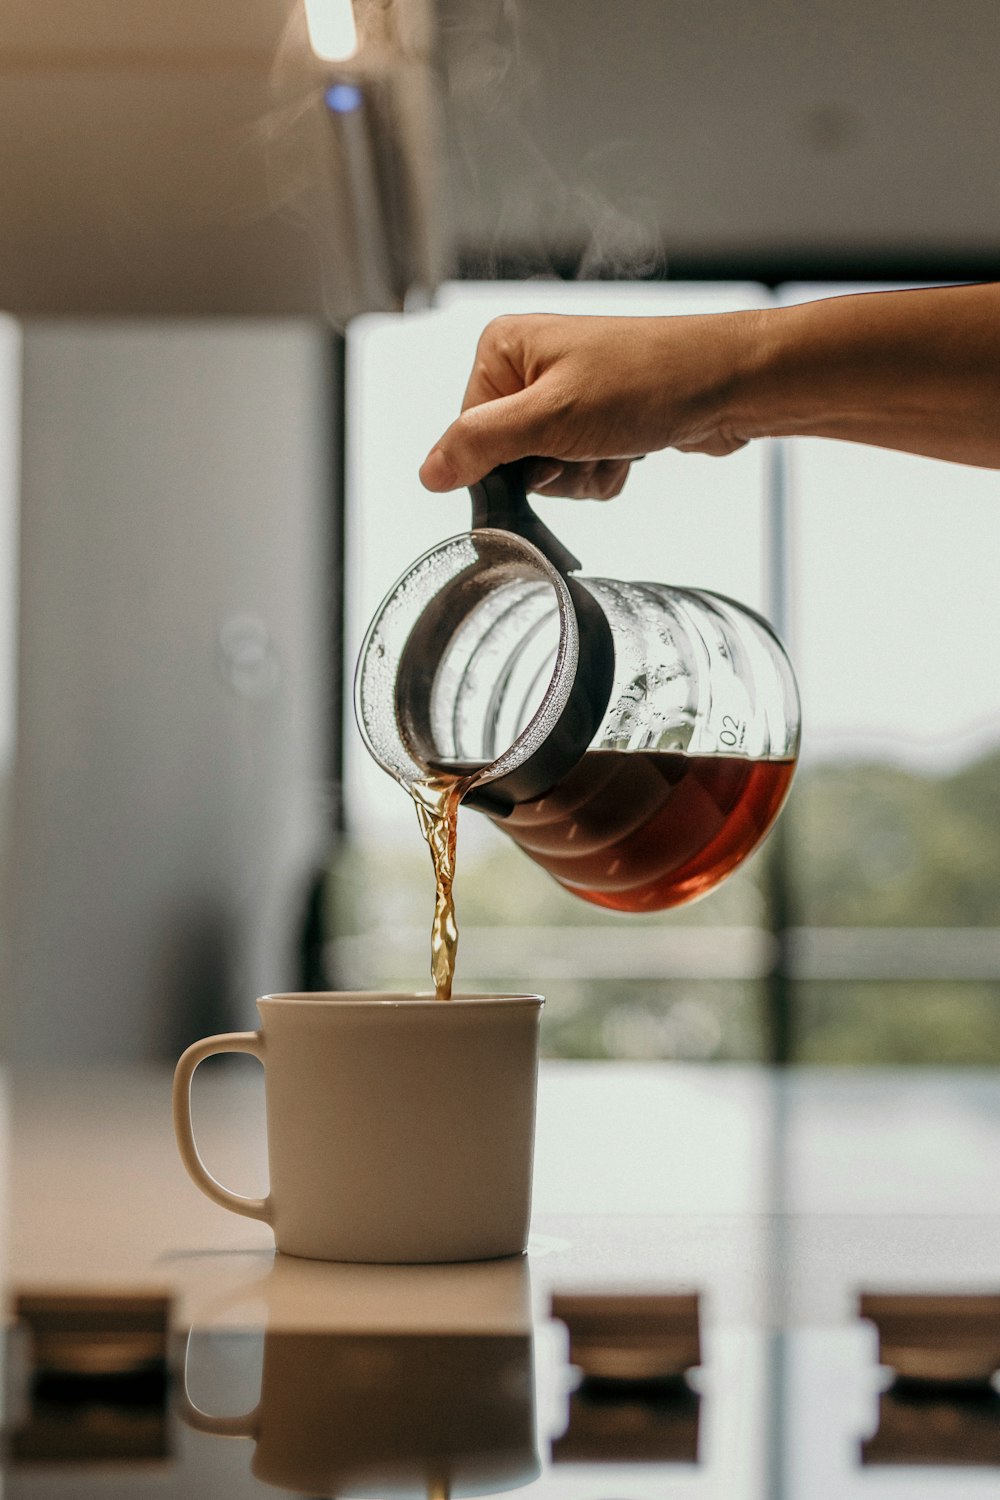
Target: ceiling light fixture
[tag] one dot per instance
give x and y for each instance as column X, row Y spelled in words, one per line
column 333, row 35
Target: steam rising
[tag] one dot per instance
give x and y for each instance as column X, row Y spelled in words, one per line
column 294, row 139
column 497, row 58
column 490, row 61
column 359, row 179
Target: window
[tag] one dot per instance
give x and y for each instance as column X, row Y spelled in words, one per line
column 894, row 827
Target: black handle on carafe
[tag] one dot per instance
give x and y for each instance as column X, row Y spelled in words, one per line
column 500, row 500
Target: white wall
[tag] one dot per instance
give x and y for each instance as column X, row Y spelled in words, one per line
column 168, row 787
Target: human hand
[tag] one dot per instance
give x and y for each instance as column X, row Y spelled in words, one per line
column 584, row 396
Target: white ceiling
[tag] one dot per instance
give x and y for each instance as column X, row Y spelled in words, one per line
column 147, row 162
column 727, row 127
column 133, row 170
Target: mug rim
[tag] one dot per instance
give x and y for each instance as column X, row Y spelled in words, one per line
column 421, row 999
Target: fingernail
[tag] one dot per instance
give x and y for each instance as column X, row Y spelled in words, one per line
column 438, row 472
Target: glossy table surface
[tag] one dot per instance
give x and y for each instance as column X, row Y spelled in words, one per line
column 778, row 1198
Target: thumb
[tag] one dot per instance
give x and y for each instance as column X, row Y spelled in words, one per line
column 495, row 432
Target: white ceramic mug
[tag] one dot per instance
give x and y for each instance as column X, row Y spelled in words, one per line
column 400, row 1128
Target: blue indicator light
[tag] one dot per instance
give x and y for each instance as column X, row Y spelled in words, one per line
column 343, row 98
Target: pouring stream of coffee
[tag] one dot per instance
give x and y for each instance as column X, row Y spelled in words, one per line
column 436, row 799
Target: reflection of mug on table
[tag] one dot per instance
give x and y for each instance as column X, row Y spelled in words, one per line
column 415, row 1380
column 400, row 1127
column 383, row 1414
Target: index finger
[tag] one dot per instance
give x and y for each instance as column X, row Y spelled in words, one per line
column 494, row 372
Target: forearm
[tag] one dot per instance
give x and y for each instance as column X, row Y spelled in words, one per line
column 914, row 370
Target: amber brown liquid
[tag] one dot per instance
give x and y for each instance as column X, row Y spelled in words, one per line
column 631, row 830
column 436, row 800
column 646, row 830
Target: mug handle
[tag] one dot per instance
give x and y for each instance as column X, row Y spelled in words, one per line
column 234, row 1041
column 202, row 1421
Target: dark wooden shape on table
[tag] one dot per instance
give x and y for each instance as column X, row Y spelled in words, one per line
column 942, row 1408
column 633, row 1352
column 97, row 1377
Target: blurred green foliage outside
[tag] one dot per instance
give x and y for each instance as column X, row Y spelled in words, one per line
column 865, row 846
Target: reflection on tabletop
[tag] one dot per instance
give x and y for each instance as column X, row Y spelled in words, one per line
column 417, row 1381
column 408, row 1381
